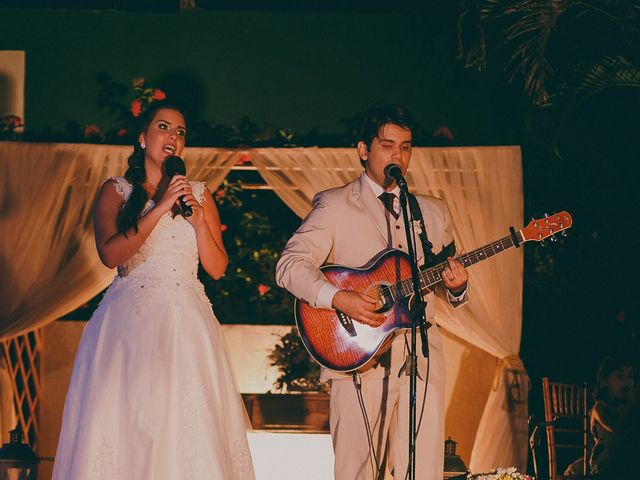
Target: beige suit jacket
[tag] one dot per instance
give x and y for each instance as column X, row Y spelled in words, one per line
column 348, row 225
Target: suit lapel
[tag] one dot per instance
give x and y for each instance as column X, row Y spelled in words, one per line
column 371, row 206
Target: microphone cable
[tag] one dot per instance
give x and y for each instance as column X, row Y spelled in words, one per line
column 373, row 458
column 412, row 230
column 424, row 402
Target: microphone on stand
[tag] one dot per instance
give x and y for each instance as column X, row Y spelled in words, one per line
column 175, row 166
column 394, row 172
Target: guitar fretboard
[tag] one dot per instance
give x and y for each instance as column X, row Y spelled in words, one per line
column 433, row 275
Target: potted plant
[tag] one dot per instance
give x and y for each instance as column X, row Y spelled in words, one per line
column 302, row 401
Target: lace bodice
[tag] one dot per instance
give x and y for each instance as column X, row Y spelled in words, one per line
column 171, row 249
column 169, row 255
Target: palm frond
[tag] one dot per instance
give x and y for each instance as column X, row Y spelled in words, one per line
column 545, row 43
column 472, row 44
column 609, row 72
column 531, row 24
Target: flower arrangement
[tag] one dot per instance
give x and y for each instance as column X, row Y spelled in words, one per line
column 510, row 473
column 9, row 124
column 126, row 102
column 145, row 96
column 441, row 136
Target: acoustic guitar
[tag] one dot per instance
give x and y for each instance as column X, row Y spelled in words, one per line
column 339, row 343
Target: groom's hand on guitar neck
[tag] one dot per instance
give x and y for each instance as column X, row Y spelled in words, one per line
column 455, row 276
column 358, row 306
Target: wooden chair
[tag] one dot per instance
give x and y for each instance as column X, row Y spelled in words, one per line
column 566, row 425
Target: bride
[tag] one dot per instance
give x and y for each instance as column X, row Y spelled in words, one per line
column 152, row 394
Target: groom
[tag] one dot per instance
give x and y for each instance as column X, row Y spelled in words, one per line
column 348, row 226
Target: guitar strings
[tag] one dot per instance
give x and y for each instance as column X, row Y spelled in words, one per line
column 433, row 275
column 386, row 292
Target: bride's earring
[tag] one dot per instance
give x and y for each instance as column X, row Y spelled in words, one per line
column 143, row 145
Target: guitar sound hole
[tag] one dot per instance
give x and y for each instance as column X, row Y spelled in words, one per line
column 385, row 297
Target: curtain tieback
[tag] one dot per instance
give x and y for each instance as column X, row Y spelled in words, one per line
column 512, row 362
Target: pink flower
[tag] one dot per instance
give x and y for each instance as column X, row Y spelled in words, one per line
column 244, row 158
column 158, row 94
column 122, row 132
column 9, row 123
column 443, row 132
column 136, row 108
column 13, row 121
column 91, row 130
column 220, row 193
column 223, row 228
column 263, row 289
column 137, row 82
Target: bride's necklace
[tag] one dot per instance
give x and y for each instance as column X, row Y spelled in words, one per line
column 153, row 184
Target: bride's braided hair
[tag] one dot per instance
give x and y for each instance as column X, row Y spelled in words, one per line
column 136, row 174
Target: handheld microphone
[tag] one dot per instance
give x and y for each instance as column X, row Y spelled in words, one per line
column 175, row 166
column 393, row 172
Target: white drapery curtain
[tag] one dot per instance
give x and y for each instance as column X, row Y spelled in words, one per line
column 483, row 189
column 297, row 174
column 49, row 265
column 47, row 253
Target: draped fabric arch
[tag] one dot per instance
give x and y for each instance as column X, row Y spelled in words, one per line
column 49, row 265
column 47, row 253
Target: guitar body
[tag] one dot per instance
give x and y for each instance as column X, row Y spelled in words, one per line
column 341, row 344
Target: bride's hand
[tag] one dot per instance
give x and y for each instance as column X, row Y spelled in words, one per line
column 197, row 217
column 178, row 187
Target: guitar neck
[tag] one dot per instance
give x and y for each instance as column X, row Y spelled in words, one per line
column 433, row 275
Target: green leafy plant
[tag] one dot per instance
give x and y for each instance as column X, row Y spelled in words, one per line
column 254, row 236
column 298, row 370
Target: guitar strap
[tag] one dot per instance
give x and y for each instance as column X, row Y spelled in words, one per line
column 427, row 247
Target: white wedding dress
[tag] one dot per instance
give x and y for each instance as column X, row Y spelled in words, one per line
column 152, row 395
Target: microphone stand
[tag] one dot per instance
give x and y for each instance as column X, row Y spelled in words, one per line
column 417, row 319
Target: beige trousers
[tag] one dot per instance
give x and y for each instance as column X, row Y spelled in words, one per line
column 387, row 405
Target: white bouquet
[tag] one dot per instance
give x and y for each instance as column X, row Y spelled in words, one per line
column 500, row 474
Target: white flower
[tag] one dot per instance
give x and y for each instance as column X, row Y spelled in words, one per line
column 415, row 226
column 510, row 473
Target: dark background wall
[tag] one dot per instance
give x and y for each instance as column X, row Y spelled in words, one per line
column 298, row 70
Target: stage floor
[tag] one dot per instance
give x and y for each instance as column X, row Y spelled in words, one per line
column 291, row 456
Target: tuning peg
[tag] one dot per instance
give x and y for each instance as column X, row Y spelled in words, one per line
column 564, row 233
column 553, row 238
column 543, row 243
column 546, row 215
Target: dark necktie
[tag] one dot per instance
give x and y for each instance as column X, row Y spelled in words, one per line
column 387, row 199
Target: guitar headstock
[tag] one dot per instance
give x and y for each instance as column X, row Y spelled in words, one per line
column 540, row 229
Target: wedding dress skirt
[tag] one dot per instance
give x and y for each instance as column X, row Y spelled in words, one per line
column 152, row 395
